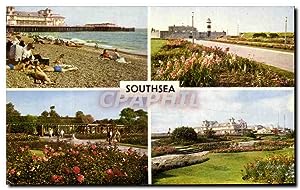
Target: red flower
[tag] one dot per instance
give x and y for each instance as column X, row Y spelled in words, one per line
column 80, row 178
column 93, row 146
column 109, row 172
column 12, row 171
column 76, row 170
column 56, row 178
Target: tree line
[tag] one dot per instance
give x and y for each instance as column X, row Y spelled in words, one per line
column 133, row 121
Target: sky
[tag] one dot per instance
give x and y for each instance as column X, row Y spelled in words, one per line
column 229, row 19
column 65, row 102
column 253, row 106
column 122, row 16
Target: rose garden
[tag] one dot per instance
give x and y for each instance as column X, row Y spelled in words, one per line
column 82, row 155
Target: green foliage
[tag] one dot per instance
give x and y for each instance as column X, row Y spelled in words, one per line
column 195, row 65
column 257, row 35
column 135, row 139
column 184, row 134
column 209, row 133
column 75, row 165
column 278, row 169
column 250, row 134
column 11, row 111
column 273, row 35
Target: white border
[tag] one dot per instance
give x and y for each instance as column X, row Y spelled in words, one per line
column 151, row 3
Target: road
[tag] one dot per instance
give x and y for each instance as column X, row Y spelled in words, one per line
column 280, row 59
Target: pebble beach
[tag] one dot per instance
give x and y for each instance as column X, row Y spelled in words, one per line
column 92, row 72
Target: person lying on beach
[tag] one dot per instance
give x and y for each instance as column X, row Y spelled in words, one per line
column 116, row 57
column 105, row 55
column 39, row 75
column 21, row 66
column 58, row 68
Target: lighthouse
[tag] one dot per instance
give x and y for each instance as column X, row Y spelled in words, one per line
column 208, row 27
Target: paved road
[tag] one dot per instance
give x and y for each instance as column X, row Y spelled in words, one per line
column 141, row 151
column 280, row 59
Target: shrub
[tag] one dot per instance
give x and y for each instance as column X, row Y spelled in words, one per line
column 273, row 35
column 162, row 150
column 184, row 134
column 278, row 169
column 80, row 164
column 13, row 137
column 196, row 65
column 24, row 128
column 135, row 140
column 256, row 35
column 91, row 136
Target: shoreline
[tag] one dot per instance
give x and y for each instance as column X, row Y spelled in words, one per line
column 85, row 42
column 92, row 73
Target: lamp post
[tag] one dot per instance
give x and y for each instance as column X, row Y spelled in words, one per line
column 193, row 26
column 285, row 29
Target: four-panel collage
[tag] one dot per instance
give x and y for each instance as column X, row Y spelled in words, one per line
column 139, row 96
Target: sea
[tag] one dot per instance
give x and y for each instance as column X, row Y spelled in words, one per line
column 131, row 42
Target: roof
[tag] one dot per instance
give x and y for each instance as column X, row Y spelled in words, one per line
column 35, row 14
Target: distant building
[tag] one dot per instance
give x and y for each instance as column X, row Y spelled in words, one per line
column 40, row 18
column 188, row 32
column 102, row 25
column 231, row 127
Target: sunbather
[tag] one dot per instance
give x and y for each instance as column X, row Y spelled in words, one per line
column 58, row 68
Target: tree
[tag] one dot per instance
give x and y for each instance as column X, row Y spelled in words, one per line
column 45, row 114
column 87, row 119
column 79, row 114
column 209, row 133
column 11, row 111
column 53, row 113
column 184, row 134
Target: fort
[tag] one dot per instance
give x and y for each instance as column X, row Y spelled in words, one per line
column 181, row 32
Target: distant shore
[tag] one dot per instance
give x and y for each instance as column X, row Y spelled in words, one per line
column 92, row 71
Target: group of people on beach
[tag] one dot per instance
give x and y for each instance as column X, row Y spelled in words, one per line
column 20, row 58
column 115, row 56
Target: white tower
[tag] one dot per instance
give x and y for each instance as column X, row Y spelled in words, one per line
column 208, row 27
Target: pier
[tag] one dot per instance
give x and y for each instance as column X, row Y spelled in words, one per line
column 15, row 28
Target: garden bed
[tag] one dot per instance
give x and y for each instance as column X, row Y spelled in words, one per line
column 199, row 66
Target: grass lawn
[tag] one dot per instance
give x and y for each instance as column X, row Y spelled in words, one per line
column 156, row 45
column 37, row 152
column 221, row 168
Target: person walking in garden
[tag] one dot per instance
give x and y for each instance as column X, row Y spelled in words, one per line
column 62, row 133
column 50, row 133
column 108, row 137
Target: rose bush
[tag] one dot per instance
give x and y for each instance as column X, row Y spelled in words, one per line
column 78, row 164
column 277, row 169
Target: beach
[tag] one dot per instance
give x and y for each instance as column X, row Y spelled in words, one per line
column 91, row 72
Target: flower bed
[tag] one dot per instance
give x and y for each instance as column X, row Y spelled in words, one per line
column 13, row 137
column 196, row 65
column 278, row 169
column 81, row 164
column 162, row 150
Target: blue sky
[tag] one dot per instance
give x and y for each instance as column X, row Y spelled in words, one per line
column 253, row 106
column 123, row 16
column 249, row 19
column 65, row 102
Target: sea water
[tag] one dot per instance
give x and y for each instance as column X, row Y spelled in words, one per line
column 131, row 42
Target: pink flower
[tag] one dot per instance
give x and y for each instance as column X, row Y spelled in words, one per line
column 93, row 146
column 80, row 178
column 76, row 170
column 109, row 172
column 12, row 171
column 56, row 178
